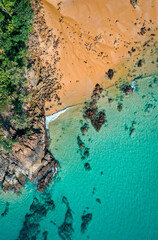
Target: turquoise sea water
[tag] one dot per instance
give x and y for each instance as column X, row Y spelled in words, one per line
column 120, row 192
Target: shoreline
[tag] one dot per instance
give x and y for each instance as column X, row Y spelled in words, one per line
column 53, row 117
column 69, row 54
column 100, row 45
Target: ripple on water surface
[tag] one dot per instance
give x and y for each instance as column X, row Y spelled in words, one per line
column 117, row 197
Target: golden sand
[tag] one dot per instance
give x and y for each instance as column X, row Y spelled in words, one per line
column 95, row 35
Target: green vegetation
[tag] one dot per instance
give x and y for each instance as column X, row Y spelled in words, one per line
column 15, row 24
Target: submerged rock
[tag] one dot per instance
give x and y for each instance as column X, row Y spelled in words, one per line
column 87, row 166
column 65, row 230
column 93, row 103
column 119, row 107
column 6, row 210
column 38, row 210
column 110, row 100
column 86, row 153
column 80, row 143
column 85, row 221
column 84, row 128
column 90, row 113
column 98, row 200
column 45, row 235
column 98, row 120
column 132, row 130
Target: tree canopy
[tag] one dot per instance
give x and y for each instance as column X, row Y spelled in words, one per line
column 15, row 24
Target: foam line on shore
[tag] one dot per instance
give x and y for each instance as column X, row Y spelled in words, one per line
column 54, row 116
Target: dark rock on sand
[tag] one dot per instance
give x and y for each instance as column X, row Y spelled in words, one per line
column 110, row 73
column 85, row 221
column 140, row 63
column 134, row 3
column 97, row 86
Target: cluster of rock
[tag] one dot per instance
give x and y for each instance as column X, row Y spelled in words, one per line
column 46, row 173
column 84, row 152
column 91, row 110
column 66, row 229
column 44, row 76
column 97, row 119
column 127, row 89
column 131, row 129
column 38, row 210
column 12, row 173
column 30, row 157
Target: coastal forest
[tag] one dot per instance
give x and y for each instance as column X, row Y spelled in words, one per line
column 16, row 17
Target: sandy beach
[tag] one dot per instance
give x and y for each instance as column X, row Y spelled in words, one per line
column 94, row 36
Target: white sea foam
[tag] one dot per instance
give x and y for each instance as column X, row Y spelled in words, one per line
column 54, row 116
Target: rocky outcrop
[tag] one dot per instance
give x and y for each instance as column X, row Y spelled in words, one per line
column 12, row 173
column 134, row 3
column 46, row 172
column 110, row 73
column 96, row 117
column 127, row 89
column 30, row 157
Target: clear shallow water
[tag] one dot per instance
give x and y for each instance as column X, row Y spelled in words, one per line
column 123, row 175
